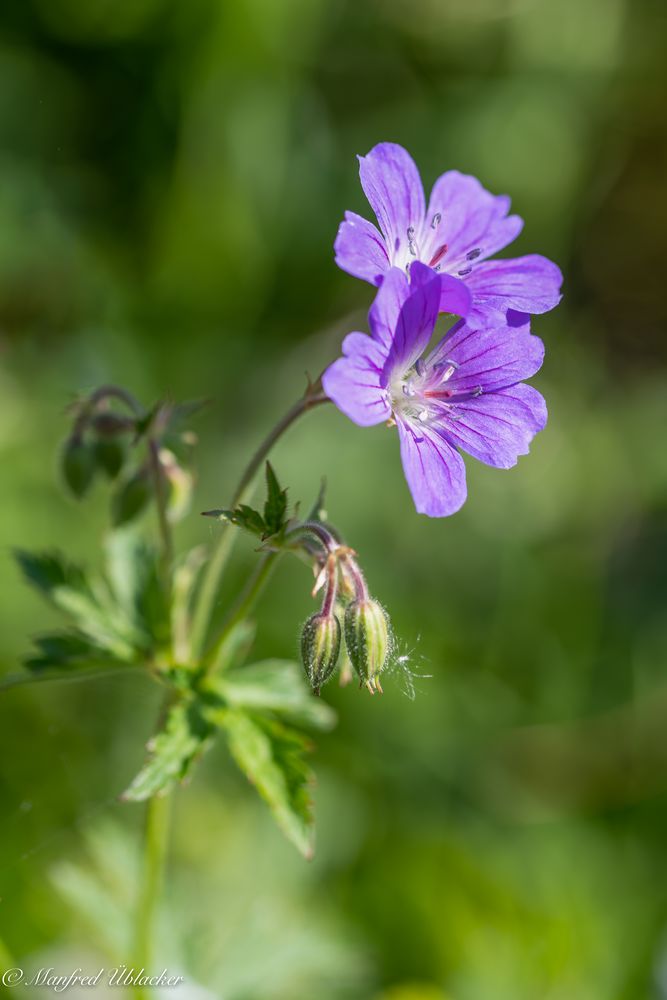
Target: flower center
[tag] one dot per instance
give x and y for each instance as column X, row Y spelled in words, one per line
column 422, row 395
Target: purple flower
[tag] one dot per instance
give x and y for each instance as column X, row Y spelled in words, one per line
column 463, row 226
column 465, row 394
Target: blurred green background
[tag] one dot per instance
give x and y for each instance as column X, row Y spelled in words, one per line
column 172, row 175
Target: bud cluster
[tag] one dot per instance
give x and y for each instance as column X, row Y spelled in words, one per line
column 349, row 616
column 109, row 427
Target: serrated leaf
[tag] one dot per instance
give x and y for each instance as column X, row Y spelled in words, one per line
column 87, row 601
column 242, row 516
column 67, row 651
column 277, row 686
column 186, row 735
column 273, row 758
column 275, row 508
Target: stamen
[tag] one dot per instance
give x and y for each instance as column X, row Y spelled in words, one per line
column 435, row 221
column 420, row 366
column 473, row 254
column 423, row 415
column 444, row 364
column 464, row 270
column 438, row 255
column 412, row 246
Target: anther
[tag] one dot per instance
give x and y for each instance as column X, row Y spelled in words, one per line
column 473, row 254
column 435, row 221
column 420, row 366
column 464, row 270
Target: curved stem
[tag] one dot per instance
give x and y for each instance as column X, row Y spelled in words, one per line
column 209, row 589
column 155, row 855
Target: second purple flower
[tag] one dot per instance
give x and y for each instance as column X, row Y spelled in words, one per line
column 467, row 393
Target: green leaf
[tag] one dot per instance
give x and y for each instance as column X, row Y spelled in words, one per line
column 132, row 568
column 88, row 602
column 242, row 517
column 172, row 752
column 277, row 686
column 273, row 758
column 275, row 508
column 67, row 651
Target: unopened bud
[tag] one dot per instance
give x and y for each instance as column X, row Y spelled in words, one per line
column 367, row 640
column 131, row 498
column 78, row 465
column 320, row 646
column 110, row 455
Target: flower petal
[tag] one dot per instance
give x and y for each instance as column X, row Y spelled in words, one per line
column 391, row 183
column 498, row 427
column 416, row 320
column 455, row 296
column 434, row 471
column 463, row 216
column 360, row 249
column 526, row 284
column 387, row 305
column 354, row 381
column 493, row 358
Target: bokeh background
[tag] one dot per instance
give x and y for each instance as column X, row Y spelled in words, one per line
column 171, row 179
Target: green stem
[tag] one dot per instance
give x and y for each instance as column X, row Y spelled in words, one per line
column 161, row 499
column 17, row 680
column 156, row 840
column 247, row 599
column 210, row 585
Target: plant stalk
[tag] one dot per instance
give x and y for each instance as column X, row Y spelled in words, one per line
column 314, row 396
column 156, row 839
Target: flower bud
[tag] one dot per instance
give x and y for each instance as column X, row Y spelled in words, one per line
column 78, row 465
column 320, row 645
column 132, row 496
column 110, row 455
column 367, row 640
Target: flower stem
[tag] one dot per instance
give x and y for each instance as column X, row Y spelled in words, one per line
column 160, row 487
column 314, row 396
column 247, row 599
column 156, row 838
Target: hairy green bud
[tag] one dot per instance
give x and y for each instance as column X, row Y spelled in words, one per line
column 320, row 646
column 78, row 465
column 367, row 639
